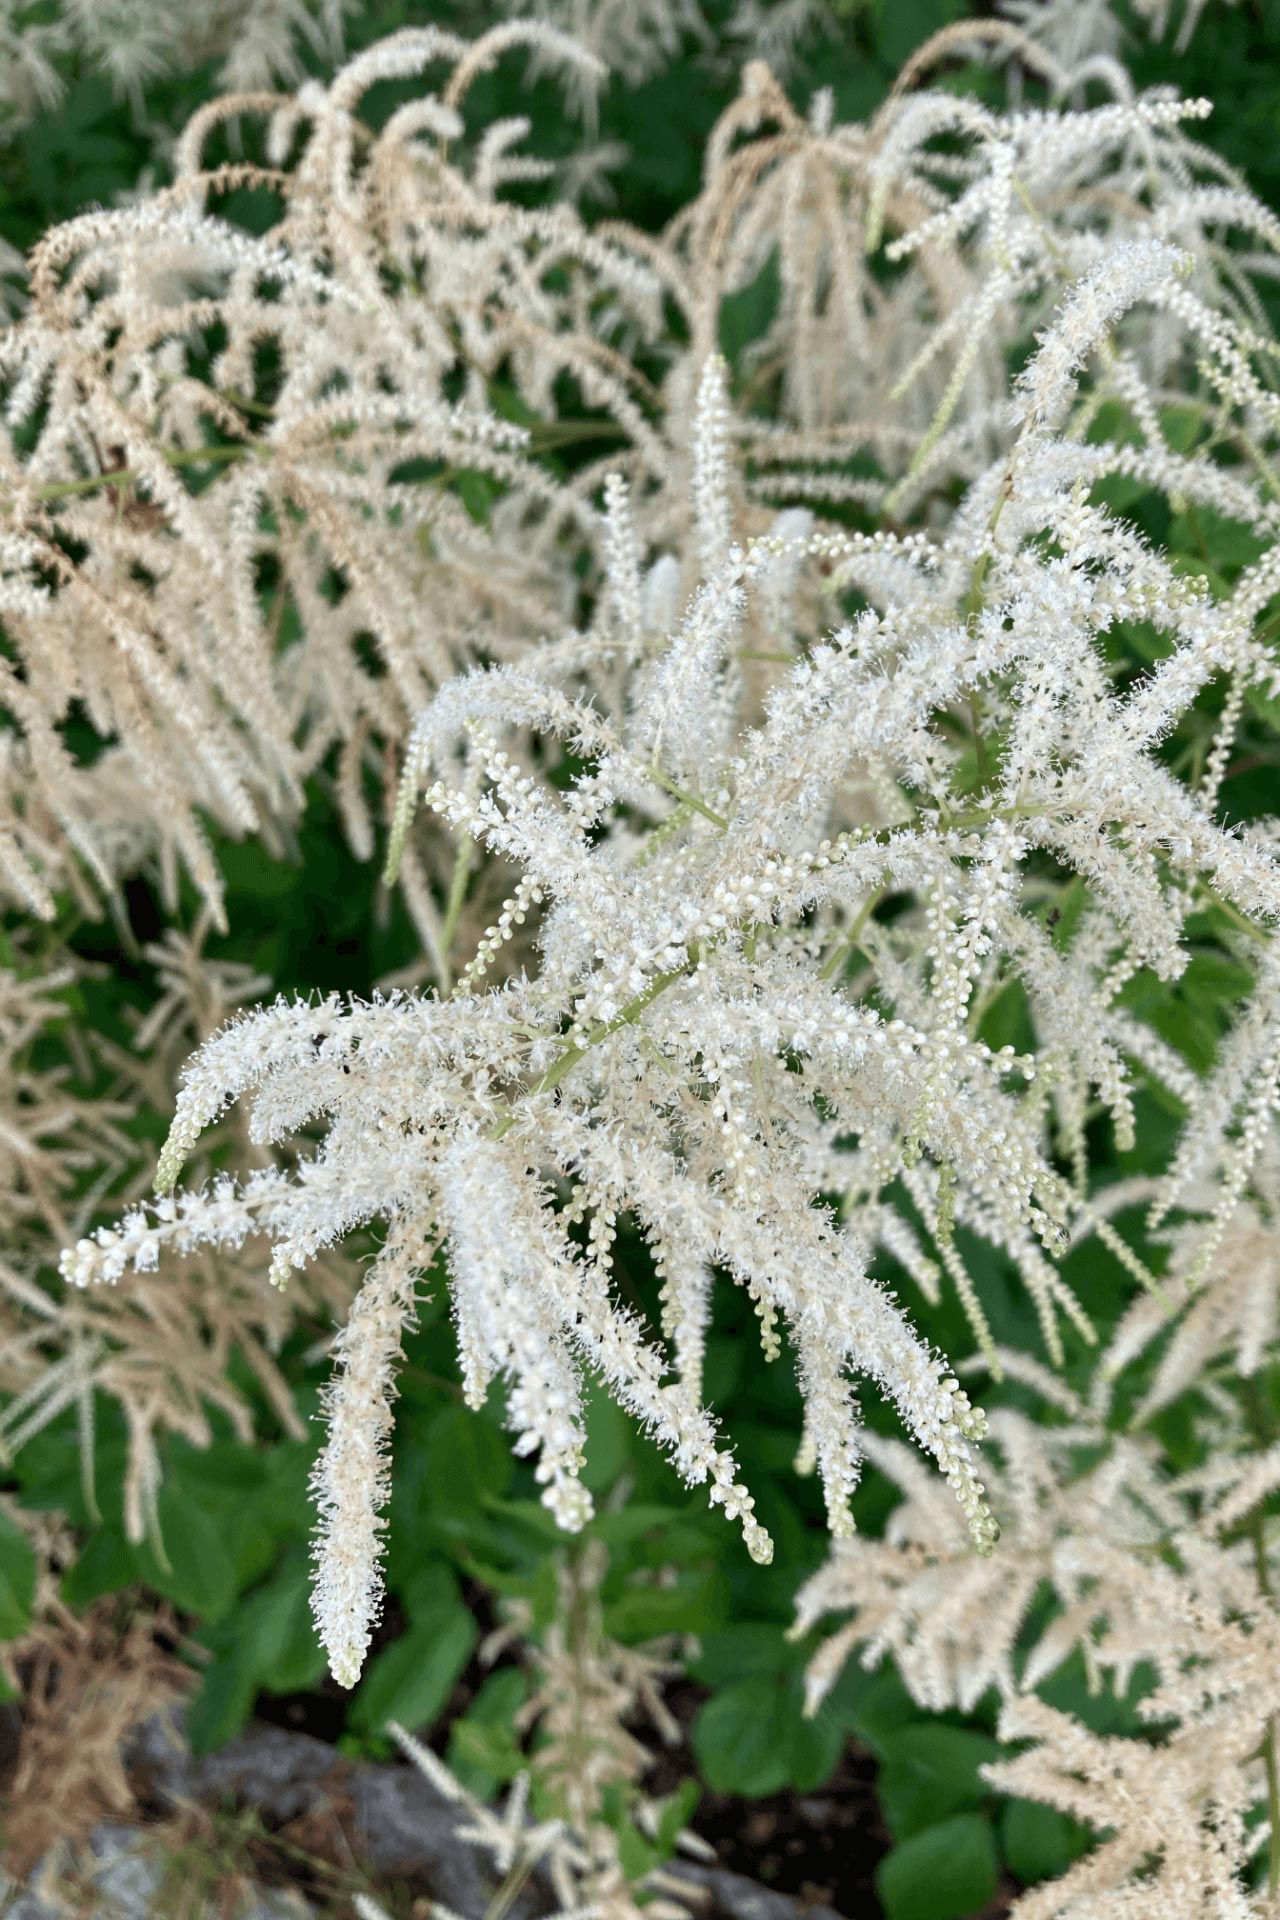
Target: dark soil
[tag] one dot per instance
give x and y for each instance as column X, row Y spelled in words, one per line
column 822, row 1847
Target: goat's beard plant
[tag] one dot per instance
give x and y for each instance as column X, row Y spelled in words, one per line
column 791, row 810
column 700, row 1045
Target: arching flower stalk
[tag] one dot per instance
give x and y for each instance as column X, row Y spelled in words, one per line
column 770, row 911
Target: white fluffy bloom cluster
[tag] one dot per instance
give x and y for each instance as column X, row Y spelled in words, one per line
column 255, row 42
column 771, row 907
column 239, row 561
column 161, row 1352
column 232, row 538
column 1160, row 1581
column 1092, row 31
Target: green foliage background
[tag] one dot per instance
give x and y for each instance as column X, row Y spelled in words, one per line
column 465, row 1523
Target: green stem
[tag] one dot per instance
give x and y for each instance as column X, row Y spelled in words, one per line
column 982, row 760
column 565, row 1062
column 504, row 1899
column 555, row 433
column 1238, row 920
column 564, row 433
column 126, row 476
column 660, row 779
column 462, row 865
column 836, row 963
column 977, row 580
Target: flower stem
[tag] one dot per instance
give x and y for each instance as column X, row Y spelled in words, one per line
column 126, row 476
column 565, row 1062
column 660, row 779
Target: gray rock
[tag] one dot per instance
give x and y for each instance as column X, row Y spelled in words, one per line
column 738, row 1898
column 124, row 1870
column 114, row 1866
column 282, row 1774
column 402, row 1825
column 124, row 1875
column 408, row 1827
column 17, row 1905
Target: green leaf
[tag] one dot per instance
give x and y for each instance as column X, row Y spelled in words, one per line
column 1181, row 426
column 287, row 1656
column 695, row 1603
column 477, row 493
column 223, row 1705
column 1038, row 1842
column 267, row 1641
column 1265, row 705
column 752, row 1738
column 676, row 1812
column 639, row 1522
column 411, row 1680
column 746, row 314
column 873, row 1704
column 903, row 25
column 467, row 1460
column 636, row 1855
column 199, row 1575
column 928, row 1770
column 1100, row 1709
column 742, row 1739
column 816, row 1745
column 1213, row 977
column 1119, row 491
column 17, row 1579
column 510, row 405
column 432, row 1588
column 737, row 1651
column 483, row 1750
column 49, row 1468
column 1228, row 543
column 610, row 1438
column 106, row 1565
column 942, row 1873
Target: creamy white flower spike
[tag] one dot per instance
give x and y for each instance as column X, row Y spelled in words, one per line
column 772, row 812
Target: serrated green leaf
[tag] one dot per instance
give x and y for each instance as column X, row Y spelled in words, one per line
column 1039, row 1843
column 106, row 1564
column 483, row 1750
column 944, row 1872
column 929, row 1769
column 752, row 1738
